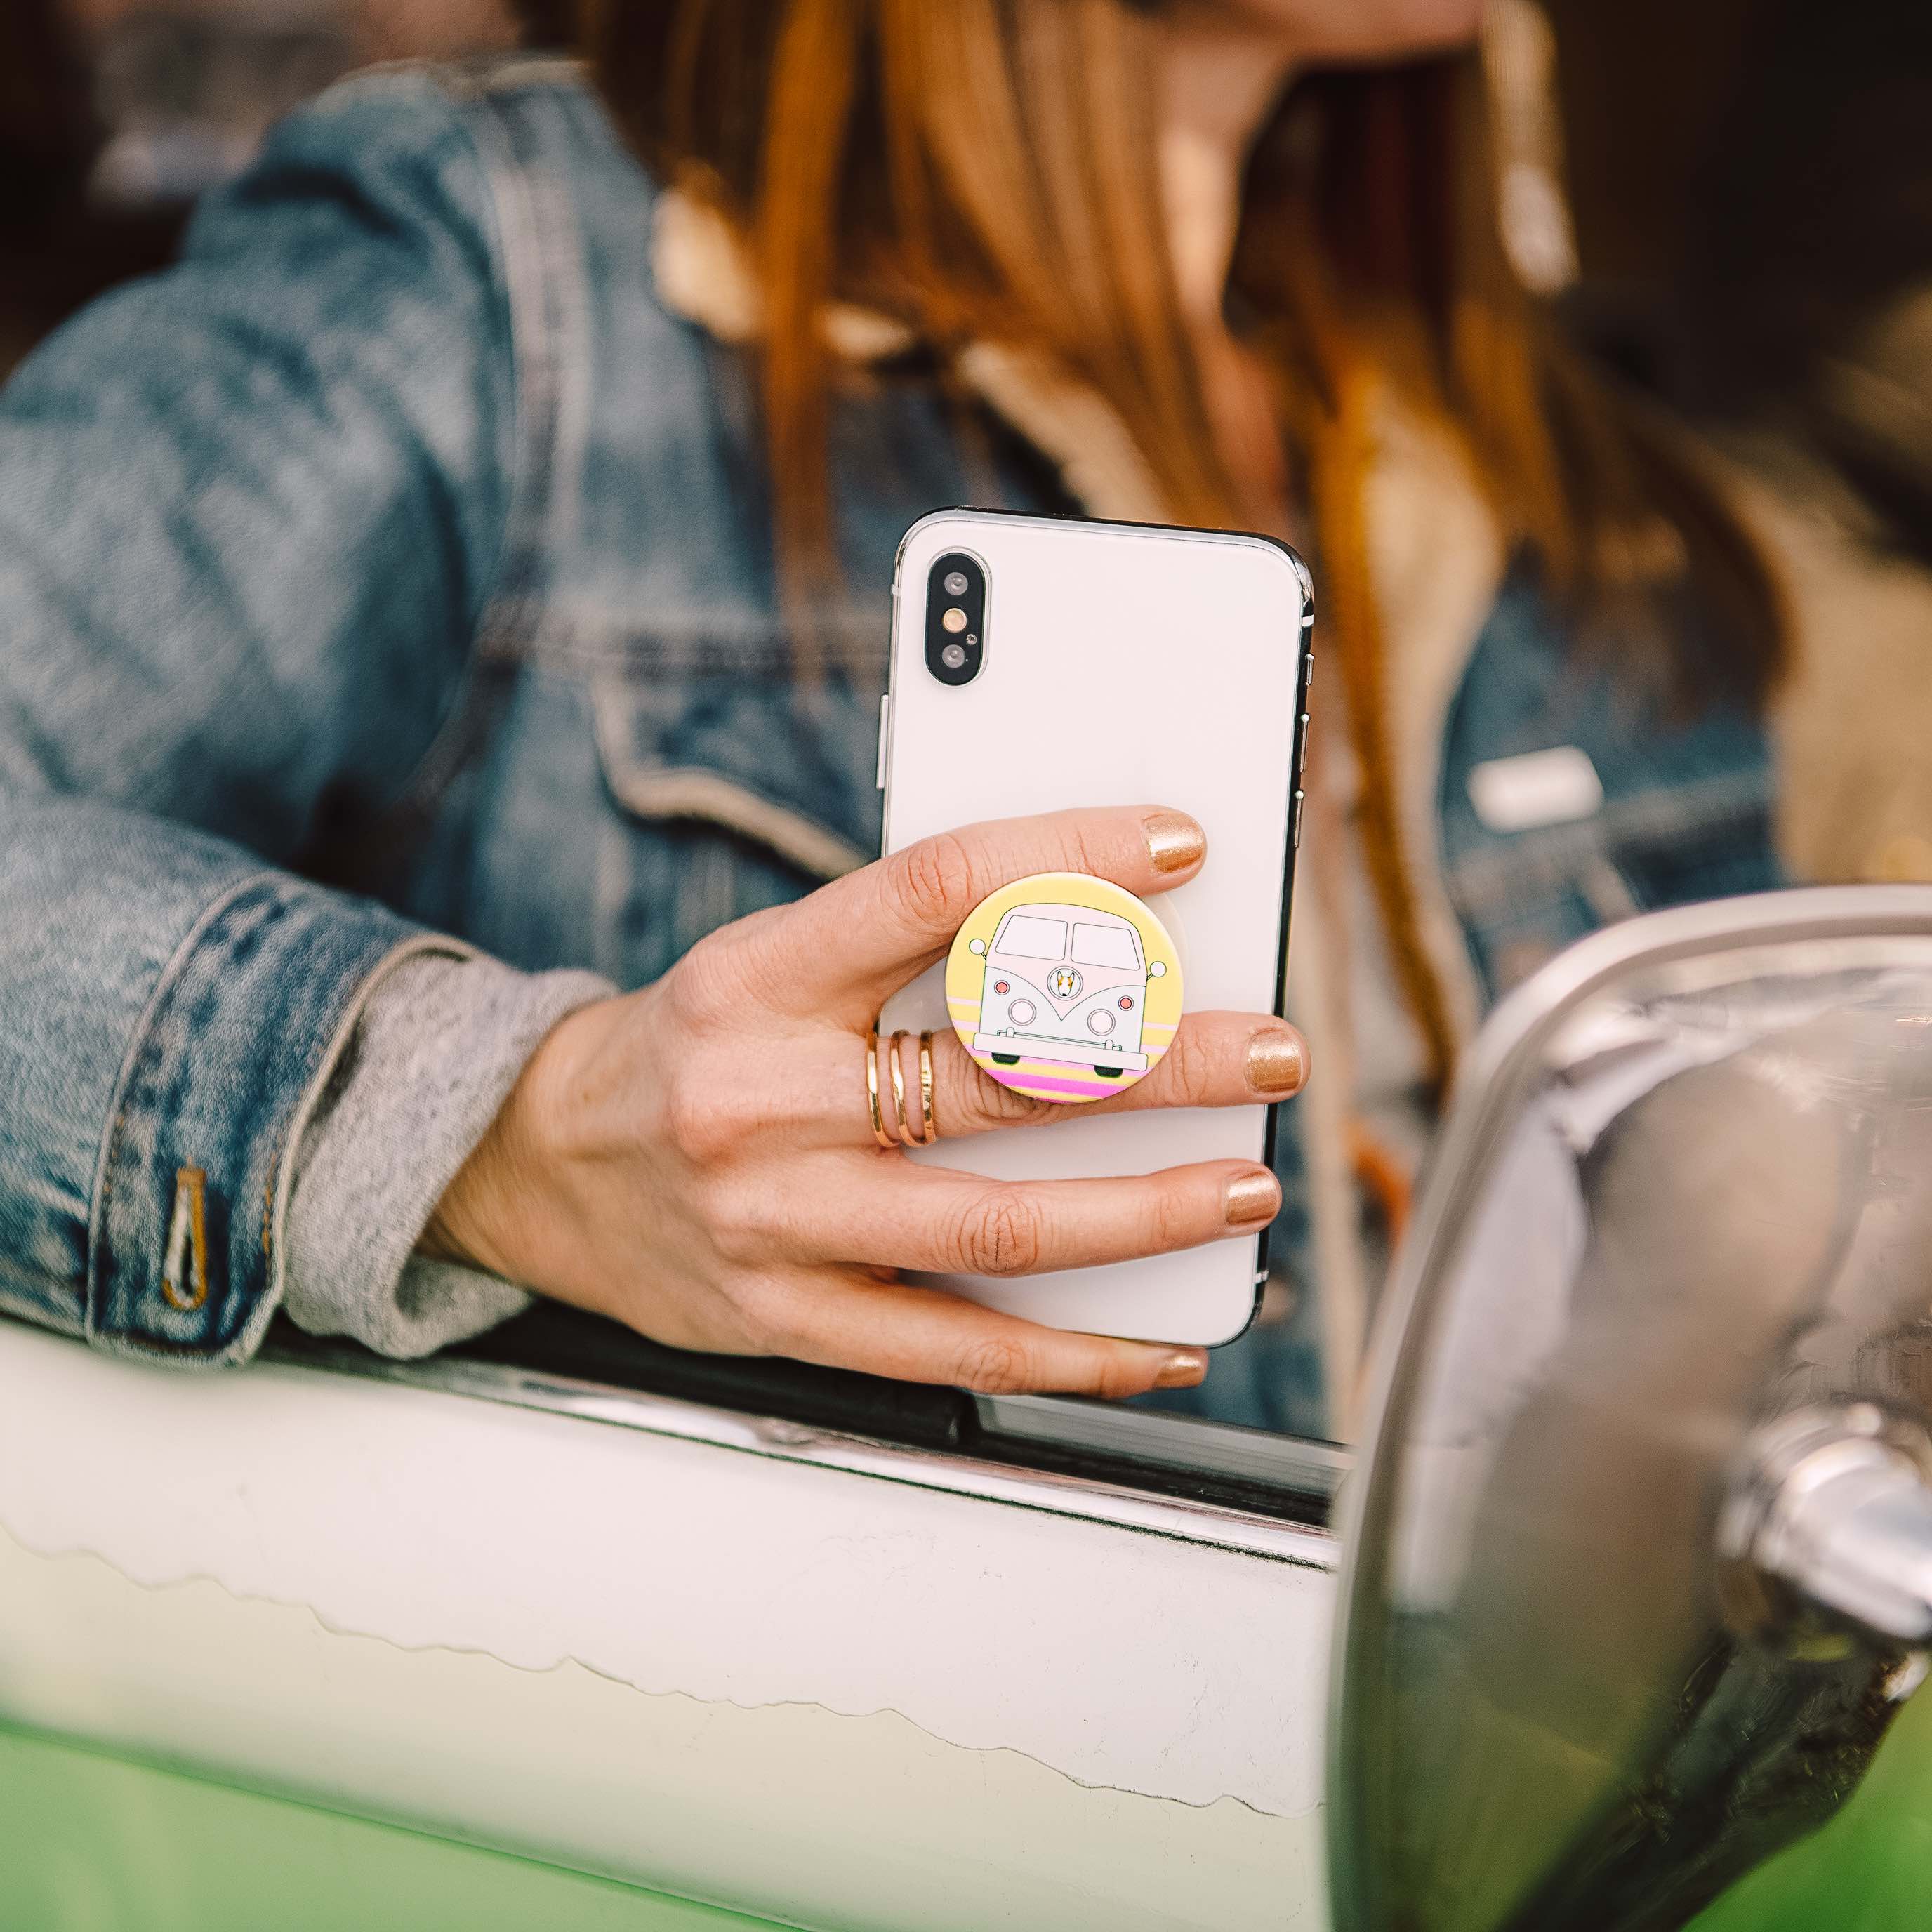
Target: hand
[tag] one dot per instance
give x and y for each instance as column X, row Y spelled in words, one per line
column 697, row 1158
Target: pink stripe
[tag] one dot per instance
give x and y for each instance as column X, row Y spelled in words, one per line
column 1041, row 1083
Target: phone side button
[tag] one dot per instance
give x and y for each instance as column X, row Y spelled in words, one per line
column 885, row 715
column 1295, row 821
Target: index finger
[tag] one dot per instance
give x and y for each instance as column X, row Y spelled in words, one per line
column 869, row 932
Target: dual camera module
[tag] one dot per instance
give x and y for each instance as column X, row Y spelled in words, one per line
column 955, row 618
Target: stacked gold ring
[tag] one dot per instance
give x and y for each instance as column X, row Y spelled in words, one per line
column 928, row 1130
column 901, row 1134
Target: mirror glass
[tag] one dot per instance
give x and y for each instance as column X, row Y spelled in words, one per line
column 1640, row 1567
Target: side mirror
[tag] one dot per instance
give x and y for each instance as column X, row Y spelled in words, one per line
column 977, row 946
column 1638, row 1555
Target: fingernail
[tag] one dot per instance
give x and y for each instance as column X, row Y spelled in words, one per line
column 1174, row 842
column 1277, row 1061
column 1182, row 1371
column 1252, row 1197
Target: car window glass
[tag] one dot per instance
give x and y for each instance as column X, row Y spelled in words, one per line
column 1029, row 937
column 1106, row 946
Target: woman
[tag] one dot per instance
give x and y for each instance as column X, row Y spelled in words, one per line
column 485, row 531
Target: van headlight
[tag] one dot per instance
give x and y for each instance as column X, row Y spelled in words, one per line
column 1100, row 1021
column 1022, row 1013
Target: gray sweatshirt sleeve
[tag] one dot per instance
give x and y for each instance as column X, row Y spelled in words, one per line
column 441, row 1038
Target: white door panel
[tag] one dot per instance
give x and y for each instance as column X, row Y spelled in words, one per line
column 834, row 1698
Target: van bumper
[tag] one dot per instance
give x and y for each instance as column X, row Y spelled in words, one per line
column 1069, row 1052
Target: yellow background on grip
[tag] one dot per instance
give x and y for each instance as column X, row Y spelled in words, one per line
column 1064, row 987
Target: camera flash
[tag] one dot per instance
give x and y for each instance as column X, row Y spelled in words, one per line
column 954, row 620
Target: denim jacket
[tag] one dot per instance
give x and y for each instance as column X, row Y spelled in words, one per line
column 398, row 564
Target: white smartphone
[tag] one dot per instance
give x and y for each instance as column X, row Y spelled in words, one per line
column 1112, row 664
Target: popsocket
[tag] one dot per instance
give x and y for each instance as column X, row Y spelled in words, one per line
column 1064, row 987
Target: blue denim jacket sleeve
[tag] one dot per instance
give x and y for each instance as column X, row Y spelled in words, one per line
column 250, row 512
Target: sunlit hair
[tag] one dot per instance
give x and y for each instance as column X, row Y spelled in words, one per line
column 986, row 170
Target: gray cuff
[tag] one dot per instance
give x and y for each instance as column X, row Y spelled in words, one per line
column 442, row 1036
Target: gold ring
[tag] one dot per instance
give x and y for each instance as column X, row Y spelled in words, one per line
column 928, row 1131
column 898, row 1089
column 879, row 1134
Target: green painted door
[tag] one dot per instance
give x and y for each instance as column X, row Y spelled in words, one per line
column 90, row 1842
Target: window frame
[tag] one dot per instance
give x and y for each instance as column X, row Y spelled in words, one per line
column 1113, row 1463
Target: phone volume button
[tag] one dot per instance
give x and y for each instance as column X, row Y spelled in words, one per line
column 1295, row 821
column 885, row 719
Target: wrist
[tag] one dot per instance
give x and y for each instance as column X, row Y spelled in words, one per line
column 496, row 1214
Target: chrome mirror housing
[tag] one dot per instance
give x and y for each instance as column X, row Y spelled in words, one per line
column 1638, row 1562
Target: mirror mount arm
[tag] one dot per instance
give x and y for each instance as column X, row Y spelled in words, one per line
column 1825, row 1534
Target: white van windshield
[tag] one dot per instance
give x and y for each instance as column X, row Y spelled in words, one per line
column 1106, row 946
column 1027, row 936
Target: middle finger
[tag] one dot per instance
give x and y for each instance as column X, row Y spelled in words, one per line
column 939, row 1220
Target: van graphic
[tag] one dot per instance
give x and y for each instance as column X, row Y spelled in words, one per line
column 1065, row 984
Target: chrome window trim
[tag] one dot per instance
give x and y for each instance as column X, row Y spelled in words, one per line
column 1178, row 1519
column 1188, row 1445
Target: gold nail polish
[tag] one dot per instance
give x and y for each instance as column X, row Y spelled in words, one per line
column 1174, row 842
column 1277, row 1062
column 1251, row 1198
column 1182, row 1372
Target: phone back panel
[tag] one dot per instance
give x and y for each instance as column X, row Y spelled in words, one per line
column 1123, row 664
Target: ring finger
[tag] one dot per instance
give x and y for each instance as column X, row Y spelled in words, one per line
column 1217, row 1060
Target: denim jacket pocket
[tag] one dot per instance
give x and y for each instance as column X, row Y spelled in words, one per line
column 1524, row 896
column 734, row 793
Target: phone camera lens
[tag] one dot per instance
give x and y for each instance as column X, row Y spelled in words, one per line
column 956, row 617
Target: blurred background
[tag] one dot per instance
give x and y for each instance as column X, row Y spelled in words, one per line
column 1751, row 182
column 115, row 115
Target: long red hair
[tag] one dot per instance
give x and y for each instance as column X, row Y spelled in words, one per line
column 986, row 170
